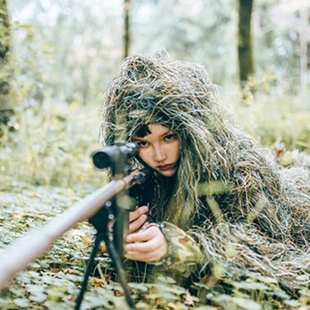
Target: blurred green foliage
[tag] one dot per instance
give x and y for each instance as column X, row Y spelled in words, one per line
column 51, row 146
column 274, row 120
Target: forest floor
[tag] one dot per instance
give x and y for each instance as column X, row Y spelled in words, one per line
column 46, row 169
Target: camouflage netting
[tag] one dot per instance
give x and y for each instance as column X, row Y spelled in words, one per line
column 251, row 215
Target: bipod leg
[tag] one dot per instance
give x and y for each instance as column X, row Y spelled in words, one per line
column 119, row 270
column 98, row 239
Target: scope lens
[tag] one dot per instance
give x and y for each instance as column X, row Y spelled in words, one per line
column 101, row 160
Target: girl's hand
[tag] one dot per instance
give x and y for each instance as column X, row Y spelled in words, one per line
column 137, row 219
column 148, row 245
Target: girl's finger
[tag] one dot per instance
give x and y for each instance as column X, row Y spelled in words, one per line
column 144, row 235
column 133, row 215
column 137, row 224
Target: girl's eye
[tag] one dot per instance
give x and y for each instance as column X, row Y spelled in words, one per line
column 170, row 137
column 142, row 144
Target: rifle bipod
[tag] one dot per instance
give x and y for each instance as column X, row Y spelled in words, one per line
column 102, row 221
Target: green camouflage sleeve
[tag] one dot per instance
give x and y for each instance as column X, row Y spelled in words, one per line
column 184, row 253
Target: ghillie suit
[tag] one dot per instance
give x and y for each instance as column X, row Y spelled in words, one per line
column 245, row 213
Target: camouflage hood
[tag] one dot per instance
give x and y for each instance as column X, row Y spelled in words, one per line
column 158, row 89
column 179, row 95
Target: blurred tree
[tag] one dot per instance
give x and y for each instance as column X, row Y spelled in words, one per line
column 5, row 42
column 201, row 31
column 245, row 51
column 304, row 39
column 126, row 27
column 280, row 38
column 4, row 31
column 76, row 46
column 74, row 49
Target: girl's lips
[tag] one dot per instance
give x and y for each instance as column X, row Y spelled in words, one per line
column 166, row 167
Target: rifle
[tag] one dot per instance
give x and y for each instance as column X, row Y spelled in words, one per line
column 108, row 205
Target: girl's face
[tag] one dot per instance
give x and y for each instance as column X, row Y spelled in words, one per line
column 160, row 149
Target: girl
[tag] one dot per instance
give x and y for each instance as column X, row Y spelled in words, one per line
column 215, row 205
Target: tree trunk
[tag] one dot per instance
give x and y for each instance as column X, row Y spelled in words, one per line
column 245, row 51
column 6, row 110
column 126, row 28
column 303, row 46
column 5, row 42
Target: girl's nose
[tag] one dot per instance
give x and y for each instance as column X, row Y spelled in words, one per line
column 159, row 154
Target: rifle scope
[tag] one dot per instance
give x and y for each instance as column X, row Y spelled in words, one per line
column 109, row 155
